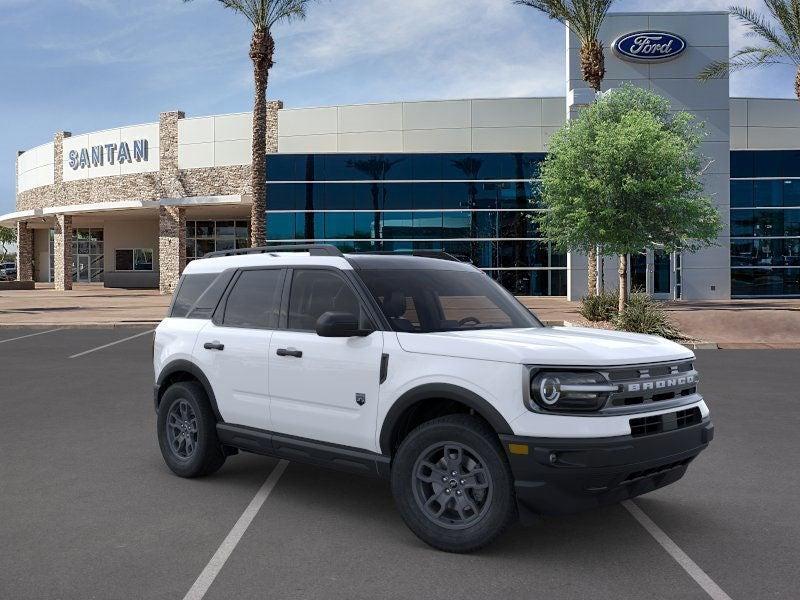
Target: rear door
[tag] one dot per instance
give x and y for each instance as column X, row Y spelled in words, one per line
column 321, row 388
column 232, row 348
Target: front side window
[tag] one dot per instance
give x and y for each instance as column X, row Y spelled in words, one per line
column 425, row 301
column 254, row 300
column 315, row 292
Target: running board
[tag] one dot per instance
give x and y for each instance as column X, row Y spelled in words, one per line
column 333, row 456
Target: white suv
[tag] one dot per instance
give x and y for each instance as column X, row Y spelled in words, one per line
column 423, row 371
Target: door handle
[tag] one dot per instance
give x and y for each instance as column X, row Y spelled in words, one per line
column 215, row 345
column 290, row 352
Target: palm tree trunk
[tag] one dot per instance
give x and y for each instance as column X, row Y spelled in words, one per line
column 593, row 67
column 593, row 70
column 262, row 48
column 797, row 84
column 623, row 282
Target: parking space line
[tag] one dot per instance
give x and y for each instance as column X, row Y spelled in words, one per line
column 22, row 337
column 688, row 565
column 214, row 566
column 112, row 344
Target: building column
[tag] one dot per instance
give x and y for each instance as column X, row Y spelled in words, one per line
column 171, row 246
column 24, row 252
column 62, row 250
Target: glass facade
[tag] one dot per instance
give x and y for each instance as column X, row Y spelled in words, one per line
column 765, row 223
column 477, row 207
column 203, row 237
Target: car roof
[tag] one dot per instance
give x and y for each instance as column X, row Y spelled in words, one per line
column 365, row 261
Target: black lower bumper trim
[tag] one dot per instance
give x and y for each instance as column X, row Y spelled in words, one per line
column 561, row 476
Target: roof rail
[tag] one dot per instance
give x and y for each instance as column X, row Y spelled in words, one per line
column 312, row 249
column 440, row 254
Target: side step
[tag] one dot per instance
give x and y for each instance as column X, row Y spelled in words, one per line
column 333, row 456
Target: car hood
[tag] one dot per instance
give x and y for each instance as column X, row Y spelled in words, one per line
column 575, row 346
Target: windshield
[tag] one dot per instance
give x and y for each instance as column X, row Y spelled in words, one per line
column 425, row 301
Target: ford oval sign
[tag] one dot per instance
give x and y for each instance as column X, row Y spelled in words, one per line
column 649, row 46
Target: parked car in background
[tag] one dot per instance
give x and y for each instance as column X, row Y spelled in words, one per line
column 8, row 271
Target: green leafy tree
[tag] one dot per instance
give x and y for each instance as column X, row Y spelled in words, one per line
column 8, row 236
column 778, row 40
column 626, row 175
column 584, row 19
column 263, row 15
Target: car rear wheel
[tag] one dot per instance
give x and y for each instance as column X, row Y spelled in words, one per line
column 187, row 432
column 452, row 484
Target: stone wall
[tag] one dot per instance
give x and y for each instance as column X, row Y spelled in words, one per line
column 24, row 252
column 171, row 246
column 62, row 250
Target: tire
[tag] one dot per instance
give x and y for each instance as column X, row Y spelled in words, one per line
column 467, row 511
column 200, row 453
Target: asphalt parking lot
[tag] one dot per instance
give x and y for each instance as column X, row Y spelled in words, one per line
column 88, row 509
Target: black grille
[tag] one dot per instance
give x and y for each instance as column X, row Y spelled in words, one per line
column 652, row 383
column 666, row 422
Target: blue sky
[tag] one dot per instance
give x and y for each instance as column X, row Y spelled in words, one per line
column 84, row 65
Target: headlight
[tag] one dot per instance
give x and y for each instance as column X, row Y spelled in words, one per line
column 570, row 391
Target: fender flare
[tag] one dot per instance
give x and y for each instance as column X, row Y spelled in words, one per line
column 185, row 366
column 444, row 391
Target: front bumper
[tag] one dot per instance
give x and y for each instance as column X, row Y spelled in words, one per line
column 567, row 475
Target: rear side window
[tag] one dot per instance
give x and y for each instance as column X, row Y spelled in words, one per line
column 192, row 286
column 254, row 301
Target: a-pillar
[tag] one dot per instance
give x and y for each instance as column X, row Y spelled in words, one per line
column 24, row 252
column 171, row 246
column 62, row 251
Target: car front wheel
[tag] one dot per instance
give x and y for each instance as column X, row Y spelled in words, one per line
column 452, row 484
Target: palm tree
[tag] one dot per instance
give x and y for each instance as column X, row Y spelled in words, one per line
column 779, row 41
column 262, row 15
column 584, row 19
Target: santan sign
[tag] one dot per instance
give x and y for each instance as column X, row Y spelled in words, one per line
column 97, row 156
column 649, row 46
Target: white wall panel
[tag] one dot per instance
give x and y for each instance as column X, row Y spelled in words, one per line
column 507, row 112
column 445, row 114
column 554, row 112
column 307, row 121
column 298, row 144
column 196, row 131
column 233, row 127
column 233, row 152
column 371, row 141
column 766, row 138
column 507, row 139
column 370, row 117
column 773, row 113
column 437, row 140
column 195, row 156
column 739, row 138
column 738, row 112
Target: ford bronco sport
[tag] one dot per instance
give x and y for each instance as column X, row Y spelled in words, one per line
column 423, row 371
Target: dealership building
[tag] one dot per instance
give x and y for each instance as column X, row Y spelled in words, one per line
column 128, row 207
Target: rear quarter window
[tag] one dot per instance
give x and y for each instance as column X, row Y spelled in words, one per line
column 190, row 289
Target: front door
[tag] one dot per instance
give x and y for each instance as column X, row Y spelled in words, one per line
column 232, row 349
column 83, row 269
column 324, row 388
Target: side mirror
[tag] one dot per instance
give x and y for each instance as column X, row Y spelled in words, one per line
column 340, row 324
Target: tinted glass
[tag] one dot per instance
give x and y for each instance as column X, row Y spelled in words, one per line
column 191, row 287
column 317, row 291
column 742, row 164
column 123, row 260
column 424, row 301
column 254, row 300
